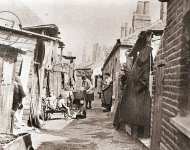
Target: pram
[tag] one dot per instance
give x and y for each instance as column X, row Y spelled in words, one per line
column 47, row 108
column 79, row 98
column 79, row 102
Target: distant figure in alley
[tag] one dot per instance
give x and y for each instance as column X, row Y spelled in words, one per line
column 107, row 93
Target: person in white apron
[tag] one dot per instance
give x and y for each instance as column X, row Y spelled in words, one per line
column 88, row 91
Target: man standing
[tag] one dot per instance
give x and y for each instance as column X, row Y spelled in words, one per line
column 88, row 91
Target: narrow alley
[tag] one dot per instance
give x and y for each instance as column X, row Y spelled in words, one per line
column 96, row 132
column 95, row 75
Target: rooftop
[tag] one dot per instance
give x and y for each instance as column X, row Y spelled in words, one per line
column 118, row 44
column 28, row 33
column 48, row 29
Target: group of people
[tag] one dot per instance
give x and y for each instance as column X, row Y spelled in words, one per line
column 88, row 96
column 83, row 103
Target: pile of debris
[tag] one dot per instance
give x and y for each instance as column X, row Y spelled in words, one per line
column 6, row 138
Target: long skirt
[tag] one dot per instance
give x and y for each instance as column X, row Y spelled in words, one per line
column 107, row 97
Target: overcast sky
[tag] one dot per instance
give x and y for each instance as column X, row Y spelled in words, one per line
column 84, row 22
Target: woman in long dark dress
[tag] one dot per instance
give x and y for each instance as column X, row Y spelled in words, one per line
column 138, row 106
column 107, row 92
column 119, row 118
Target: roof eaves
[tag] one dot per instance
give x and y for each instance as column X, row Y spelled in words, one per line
column 41, row 26
column 28, row 33
column 116, row 46
column 4, row 47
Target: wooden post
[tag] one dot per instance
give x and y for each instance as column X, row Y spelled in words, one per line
column 6, row 100
column 156, row 126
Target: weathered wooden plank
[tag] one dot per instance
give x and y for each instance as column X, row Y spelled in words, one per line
column 156, row 126
column 6, row 100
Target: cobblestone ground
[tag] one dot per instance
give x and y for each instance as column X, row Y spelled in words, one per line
column 93, row 133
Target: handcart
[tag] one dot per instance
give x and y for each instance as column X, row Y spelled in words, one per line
column 80, row 103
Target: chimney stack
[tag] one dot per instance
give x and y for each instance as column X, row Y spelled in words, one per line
column 147, row 8
column 140, row 7
column 141, row 17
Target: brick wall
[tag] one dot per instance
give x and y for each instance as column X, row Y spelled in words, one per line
column 175, row 75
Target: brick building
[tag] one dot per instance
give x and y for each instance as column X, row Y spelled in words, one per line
column 171, row 95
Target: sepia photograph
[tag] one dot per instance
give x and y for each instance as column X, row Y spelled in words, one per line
column 95, row 75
